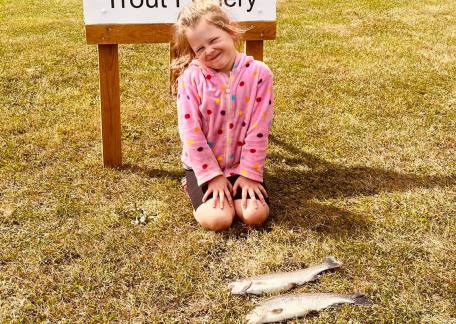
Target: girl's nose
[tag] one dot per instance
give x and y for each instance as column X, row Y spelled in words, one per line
column 209, row 51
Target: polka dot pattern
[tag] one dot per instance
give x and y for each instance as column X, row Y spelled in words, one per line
column 233, row 114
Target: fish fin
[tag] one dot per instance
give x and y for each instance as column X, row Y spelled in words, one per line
column 361, row 299
column 331, row 262
column 277, row 310
column 289, row 286
column 337, row 305
column 314, row 278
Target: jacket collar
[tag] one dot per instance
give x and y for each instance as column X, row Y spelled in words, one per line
column 240, row 63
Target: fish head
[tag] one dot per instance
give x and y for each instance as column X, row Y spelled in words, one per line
column 264, row 314
column 240, row 287
column 255, row 317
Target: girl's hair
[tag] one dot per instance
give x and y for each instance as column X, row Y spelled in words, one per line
column 188, row 18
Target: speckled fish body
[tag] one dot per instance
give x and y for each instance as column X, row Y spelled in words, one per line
column 282, row 281
column 293, row 306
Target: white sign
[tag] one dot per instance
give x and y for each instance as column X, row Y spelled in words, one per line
column 165, row 11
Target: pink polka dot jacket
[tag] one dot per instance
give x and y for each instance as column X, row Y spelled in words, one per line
column 224, row 119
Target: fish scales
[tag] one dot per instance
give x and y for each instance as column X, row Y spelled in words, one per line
column 298, row 305
column 282, row 281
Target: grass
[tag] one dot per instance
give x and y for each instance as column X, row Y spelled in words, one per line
column 361, row 166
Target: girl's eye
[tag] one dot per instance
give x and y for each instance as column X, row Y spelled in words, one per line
column 199, row 50
column 213, row 40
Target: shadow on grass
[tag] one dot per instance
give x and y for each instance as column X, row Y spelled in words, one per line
column 292, row 191
column 328, row 180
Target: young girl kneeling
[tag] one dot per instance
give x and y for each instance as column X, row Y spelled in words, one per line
column 225, row 108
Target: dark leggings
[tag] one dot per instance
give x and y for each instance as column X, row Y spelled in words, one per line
column 196, row 192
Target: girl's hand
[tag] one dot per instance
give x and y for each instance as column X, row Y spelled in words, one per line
column 250, row 187
column 221, row 188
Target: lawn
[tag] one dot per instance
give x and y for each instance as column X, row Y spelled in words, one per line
column 361, row 165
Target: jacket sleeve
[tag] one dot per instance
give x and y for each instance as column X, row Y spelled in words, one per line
column 195, row 146
column 253, row 153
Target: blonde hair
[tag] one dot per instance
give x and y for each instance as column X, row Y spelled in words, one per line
column 188, row 18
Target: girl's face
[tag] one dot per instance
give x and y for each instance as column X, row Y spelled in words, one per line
column 213, row 46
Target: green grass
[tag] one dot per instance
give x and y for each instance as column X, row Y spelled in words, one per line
column 361, row 166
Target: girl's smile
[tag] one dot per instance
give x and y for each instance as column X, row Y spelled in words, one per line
column 213, row 46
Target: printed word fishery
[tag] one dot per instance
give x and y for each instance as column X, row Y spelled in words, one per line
column 176, row 3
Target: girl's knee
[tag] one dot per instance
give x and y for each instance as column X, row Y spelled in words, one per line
column 252, row 215
column 214, row 219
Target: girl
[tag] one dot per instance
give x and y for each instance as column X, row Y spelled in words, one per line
column 225, row 107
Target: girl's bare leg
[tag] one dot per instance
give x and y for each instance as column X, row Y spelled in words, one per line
column 214, row 219
column 251, row 215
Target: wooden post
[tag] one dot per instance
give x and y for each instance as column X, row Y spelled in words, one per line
column 255, row 49
column 172, row 76
column 110, row 104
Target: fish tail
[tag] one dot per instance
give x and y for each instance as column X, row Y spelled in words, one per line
column 331, row 262
column 360, row 299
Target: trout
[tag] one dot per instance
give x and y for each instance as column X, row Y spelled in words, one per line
column 293, row 306
column 281, row 281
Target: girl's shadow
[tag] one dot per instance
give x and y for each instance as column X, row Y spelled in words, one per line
column 301, row 190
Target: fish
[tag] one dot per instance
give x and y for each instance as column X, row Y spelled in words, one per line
column 292, row 306
column 281, row 281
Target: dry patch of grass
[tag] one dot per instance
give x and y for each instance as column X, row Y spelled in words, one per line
column 361, row 166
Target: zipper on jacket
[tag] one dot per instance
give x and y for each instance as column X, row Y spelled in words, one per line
column 228, row 114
